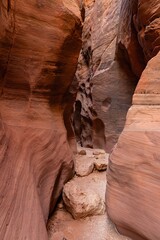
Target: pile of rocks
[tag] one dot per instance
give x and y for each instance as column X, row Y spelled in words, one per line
column 85, row 163
column 81, row 215
column 80, row 195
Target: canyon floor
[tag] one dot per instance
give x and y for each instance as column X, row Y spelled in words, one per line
column 62, row 226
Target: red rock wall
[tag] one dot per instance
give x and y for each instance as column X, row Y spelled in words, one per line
column 147, row 23
column 134, row 166
column 105, row 86
column 129, row 50
column 39, row 47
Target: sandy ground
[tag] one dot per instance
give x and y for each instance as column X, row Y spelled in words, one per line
column 63, row 227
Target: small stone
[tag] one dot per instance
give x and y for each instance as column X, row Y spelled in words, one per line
column 98, row 152
column 84, row 166
column 82, row 152
column 60, row 205
column 82, row 202
column 100, row 166
column 101, row 163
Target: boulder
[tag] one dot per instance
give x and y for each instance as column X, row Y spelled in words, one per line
column 83, row 165
column 82, row 202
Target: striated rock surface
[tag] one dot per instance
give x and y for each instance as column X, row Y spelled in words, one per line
column 134, row 166
column 105, row 86
column 129, row 51
column 37, row 66
column 119, row 37
column 133, row 183
column 139, row 33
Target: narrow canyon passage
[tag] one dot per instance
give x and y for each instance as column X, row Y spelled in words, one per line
column 105, row 73
column 79, row 119
column 81, row 215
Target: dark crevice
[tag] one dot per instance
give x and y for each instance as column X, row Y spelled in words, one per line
column 11, row 45
column 8, row 5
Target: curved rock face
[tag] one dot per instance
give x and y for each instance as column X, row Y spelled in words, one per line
column 133, row 182
column 147, row 23
column 105, row 87
column 134, row 166
column 39, row 47
column 139, row 33
column 129, row 50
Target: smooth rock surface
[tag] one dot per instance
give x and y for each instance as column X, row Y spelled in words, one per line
column 37, row 66
column 133, row 190
column 133, row 186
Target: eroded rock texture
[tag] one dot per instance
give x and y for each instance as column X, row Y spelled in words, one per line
column 129, row 50
column 134, row 166
column 106, row 87
column 147, row 23
column 39, row 47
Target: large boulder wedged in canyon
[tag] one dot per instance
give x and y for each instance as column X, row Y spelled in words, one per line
column 133, row 190
column 39, row 47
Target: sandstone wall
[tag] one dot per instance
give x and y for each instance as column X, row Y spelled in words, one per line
column 134, row 166
column 133, row 182
column 105, row 86
column 147, row 23
column 39, row 48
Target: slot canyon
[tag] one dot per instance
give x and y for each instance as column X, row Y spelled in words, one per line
column 79, row 119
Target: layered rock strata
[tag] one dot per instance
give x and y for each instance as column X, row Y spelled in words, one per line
column 133, row 182
column 37, row 67
column 134, row 167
